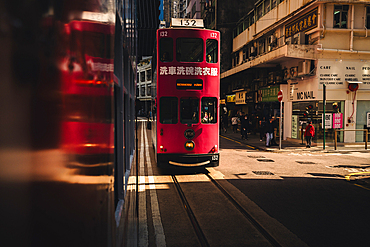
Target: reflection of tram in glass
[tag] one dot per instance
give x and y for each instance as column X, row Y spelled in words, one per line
column 87, row 89
column 187, row 103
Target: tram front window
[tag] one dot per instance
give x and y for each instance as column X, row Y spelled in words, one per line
column 165, row 49
column 189, row 50
column 209, row 110
column 189, row 108
column 212, row 50
column 168, row 110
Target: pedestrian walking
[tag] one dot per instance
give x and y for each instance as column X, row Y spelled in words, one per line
column 309, row 134
column 225, row 122
column 244, row 127
column 262, row 128
column 234, row 123
column 269, row 132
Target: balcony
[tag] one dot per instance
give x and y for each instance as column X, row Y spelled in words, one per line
column 275, row 57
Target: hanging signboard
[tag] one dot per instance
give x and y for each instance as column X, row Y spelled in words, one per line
column 230, row 98
column 328, row 120
column 295, row 126
column 337, row 120
column 240, row 98
column 302, row 24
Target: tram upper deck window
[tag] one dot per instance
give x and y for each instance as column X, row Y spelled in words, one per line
column 189, row 50
column 212, row 51
column 209, row 110
column 168, row 110
column 166, row 49
column 189, row 110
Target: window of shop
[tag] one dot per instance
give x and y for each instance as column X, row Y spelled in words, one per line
column 313, row 111
column 340, row 16
column 363, row 107
column 368, row 17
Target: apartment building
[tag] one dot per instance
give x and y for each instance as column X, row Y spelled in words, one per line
column 144, row 85
column 302, row 47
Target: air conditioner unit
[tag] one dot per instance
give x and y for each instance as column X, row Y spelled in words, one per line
column 299, row 38
column 252, row 51
column 304, row 67
column 288, row 41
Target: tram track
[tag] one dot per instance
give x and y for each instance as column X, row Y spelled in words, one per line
column 197, row 226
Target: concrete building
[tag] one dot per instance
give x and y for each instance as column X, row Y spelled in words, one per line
column 193, row 10
column 298, row 46
column 144, row 85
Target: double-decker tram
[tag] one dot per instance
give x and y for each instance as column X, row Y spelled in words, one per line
column 188, row 93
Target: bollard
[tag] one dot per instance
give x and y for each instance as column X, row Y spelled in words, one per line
column 335, row 139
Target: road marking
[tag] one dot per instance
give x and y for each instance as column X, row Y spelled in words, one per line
column 143, row 222
column 238, row 142
column 156, row 214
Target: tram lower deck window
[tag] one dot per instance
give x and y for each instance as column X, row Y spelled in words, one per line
column 168, row 110
column 209, row 110
column 189, row 110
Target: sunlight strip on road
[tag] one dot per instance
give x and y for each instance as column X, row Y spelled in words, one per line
column 238, row 142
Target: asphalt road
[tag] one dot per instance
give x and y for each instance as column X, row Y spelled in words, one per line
column 307, row 192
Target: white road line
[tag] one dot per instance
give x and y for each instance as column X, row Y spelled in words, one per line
column 143, row 223
column 157, row 221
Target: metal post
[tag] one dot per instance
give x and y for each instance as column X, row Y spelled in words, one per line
column 335, row 139
column 324, row 118
column 366, row 138
column 280, row 124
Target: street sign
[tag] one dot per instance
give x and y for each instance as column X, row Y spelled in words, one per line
column 280, row 95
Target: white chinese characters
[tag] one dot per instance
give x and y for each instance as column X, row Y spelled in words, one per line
column 181, row 70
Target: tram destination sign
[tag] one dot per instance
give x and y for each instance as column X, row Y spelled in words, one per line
column 189, row 84
column 184, row 22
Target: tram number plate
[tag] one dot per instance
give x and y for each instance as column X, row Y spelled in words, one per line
column 214, row 157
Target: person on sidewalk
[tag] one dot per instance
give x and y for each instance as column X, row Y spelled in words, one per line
column 269, row 132
column 309, row 134
column 234, row 123
column 244, row 127
column 261, row 128
column 225, row 122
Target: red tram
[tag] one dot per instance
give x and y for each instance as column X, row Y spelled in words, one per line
column 87, row 89
column 188, row 93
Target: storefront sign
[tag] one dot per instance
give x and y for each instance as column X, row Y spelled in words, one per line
column 302, row 24
column 337, row 120
column 222, row 101
column 336, row 74
column 230, row 98
column 240, row 98
column 328, row 120
column 269, row 94
column 294, row 126
column 302, row 90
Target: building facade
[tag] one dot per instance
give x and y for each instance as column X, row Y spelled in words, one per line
column 302, row 47
column 144, row 85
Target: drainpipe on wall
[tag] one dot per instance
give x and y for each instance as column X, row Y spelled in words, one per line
column 352, row 26
column 323, row 14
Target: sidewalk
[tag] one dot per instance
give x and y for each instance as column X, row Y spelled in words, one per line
column 293, row 145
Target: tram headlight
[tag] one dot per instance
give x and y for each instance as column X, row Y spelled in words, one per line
column 189, row 145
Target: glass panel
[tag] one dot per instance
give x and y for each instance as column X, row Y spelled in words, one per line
column 189, row 50
column 212, row 51
column 189, row 112
column 209, row 110
column 166, row 50
column 168, row 110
